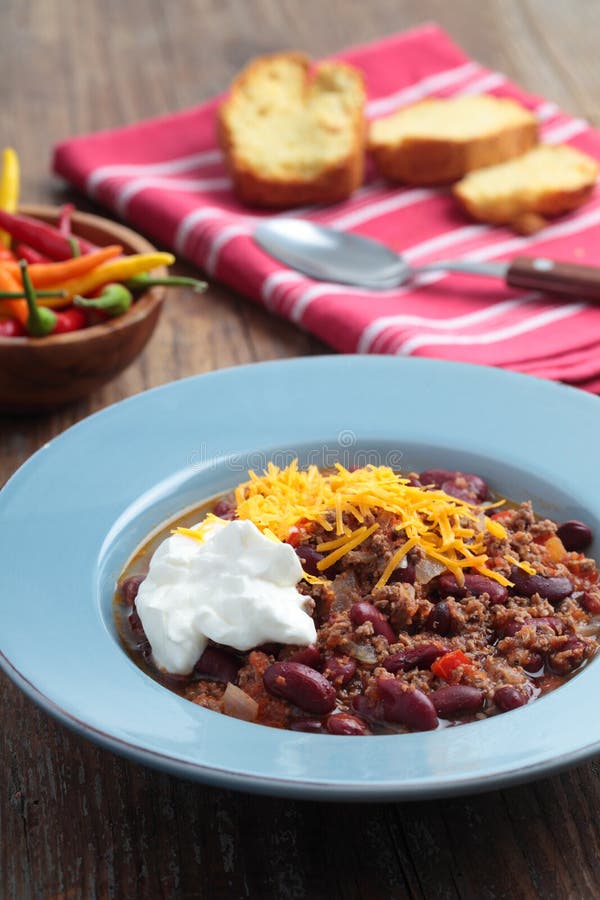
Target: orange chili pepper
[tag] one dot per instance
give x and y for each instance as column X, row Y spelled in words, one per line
column 446, row 664
column 54, row 273
column 16, row 308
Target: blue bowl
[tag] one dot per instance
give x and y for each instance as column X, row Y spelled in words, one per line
column 73, row 515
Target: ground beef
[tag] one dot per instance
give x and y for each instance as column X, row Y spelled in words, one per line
column 420, row 638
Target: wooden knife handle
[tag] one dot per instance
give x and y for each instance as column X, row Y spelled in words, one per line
column 541, row 274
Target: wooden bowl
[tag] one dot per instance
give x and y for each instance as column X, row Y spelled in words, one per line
column 37, row 374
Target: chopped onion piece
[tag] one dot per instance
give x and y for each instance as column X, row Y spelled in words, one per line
column 426, row 569
column 364, row 653
column 238, row 704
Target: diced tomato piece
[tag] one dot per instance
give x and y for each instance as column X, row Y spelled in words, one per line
column 446, row 664
column 293, row 537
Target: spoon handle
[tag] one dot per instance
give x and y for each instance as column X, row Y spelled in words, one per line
column 542, row 274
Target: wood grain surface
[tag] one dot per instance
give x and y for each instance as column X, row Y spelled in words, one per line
column 76, row 821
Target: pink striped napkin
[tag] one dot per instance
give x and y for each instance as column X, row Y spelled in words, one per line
column 166, row 177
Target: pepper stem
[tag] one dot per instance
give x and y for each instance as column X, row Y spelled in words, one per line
column 40, row 321
column 20, row 295
column 144, row 280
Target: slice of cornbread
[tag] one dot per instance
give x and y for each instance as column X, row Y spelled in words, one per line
column 547, row 181
column 440, row 140
column 292, row 138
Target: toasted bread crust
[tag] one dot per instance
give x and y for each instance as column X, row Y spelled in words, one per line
column 424, row 161
column 333, row 183
column 436, row 141
column 526, row 211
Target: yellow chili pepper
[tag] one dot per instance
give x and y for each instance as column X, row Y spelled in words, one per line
column 9, row 187
column 115, row 270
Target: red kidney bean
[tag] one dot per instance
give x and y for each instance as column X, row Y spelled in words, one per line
column 363, row 611
column 436, row 476
column 339, row 669
column 406, row 575
column 135, row 623
column 344, row 723
column 576, row 536
column 549, row 623
column 408, row 707
column 218, row 664
column 541, row 623
column 225, row 508
column 553, row 589
column 414, row 481
column 456, row 698
column 440, row 619
column 308, row 656
column 475, row 584
column 419, row 657
column 511, row 628
column 534, row 663
column 509, row 697
column 368, row 709
column 590, row 602
column 567, row 657
column 130, row 587
column 309, row 557
column 463, row 485
column 301, row 685
column 312, row 726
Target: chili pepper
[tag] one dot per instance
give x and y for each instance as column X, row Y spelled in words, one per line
column 9, row 187
column 74, row 245
column 145, row 280
column 55, row 273
column 22, row 251
column 64, row 219
column 11, row 328
column 114, row 300
column 69, row 320
column 121, row 269
column 12, row 307
column 446, row 664
column 41, row 236
column 7, row 255
column 41, row 321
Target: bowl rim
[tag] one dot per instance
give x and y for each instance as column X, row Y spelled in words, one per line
column 151, row 724
column 145, row 303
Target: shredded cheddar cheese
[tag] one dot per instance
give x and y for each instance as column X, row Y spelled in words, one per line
column 447, row 529
column 521, row 564
column 198, row 533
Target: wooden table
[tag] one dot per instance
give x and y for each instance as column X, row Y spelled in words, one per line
column 76, row 821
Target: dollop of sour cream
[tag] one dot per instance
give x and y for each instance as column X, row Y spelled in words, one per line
column 236, row 587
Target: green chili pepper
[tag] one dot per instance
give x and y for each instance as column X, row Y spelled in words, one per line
column 40, row 321
column 145, row 280
column 114, row 300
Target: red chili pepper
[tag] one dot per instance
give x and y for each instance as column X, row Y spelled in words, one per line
column 69, row 320
column 11, row 328
column 22, row 251
column 42, row 237
column 446, row 664
column 64, row 219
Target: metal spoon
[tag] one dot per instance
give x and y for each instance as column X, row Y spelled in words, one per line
column 329, row 255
